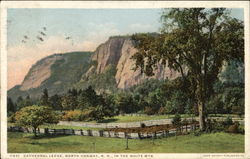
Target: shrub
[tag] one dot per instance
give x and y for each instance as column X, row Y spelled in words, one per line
column 11, row 119
column 241, row 129
column 162, row 111
column 217, row 126
column 73, row 115
column 234, row 128
column 143, row 125
column 228, row 121
column 209, row 125
column 196, row 132
column 176, row 120
column 91, row 113
column 148, row 111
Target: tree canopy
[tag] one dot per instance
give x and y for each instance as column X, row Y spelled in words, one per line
column 196, row 42
column 35, row 116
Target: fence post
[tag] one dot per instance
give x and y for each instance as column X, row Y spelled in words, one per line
column 153, row 139
column 101, row 133
column 139, row 134
column 90, row 133
column 93, row 146
column 81, row 132
column 126, row 142
column 46, row 131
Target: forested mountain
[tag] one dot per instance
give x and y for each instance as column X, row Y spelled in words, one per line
column 108, row 68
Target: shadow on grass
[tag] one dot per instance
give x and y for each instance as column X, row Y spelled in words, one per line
column 44, row 136
column 107, row 120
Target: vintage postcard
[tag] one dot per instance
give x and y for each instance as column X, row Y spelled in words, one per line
column 123, row 79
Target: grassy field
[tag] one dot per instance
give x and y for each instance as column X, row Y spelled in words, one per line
column 129, row 118
column 206, row 143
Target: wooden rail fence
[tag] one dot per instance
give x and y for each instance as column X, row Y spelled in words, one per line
column 102, row 133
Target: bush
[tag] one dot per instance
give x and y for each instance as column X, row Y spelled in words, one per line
column 234, row 128
column 241, row 129
column 162, row 111
column 91, row 113
column 176, row 120
column 228, row 121
column 73, row 115
column 149, row 111
column 143, row 125
column 217, row 126
column 196, row 132
column 12, row 119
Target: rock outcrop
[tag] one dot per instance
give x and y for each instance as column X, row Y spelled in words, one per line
column 39, row 73
column 118, row 51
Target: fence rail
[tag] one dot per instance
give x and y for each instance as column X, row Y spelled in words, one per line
column 102, row 133
column 133, row 124
column 119, row 125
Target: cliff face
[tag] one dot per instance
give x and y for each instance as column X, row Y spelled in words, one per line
column 39, row 73
column 108, row 53
column 118, row 51
column 57, row 73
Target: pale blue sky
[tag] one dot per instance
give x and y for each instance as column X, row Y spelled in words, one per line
column 87, row 27
column 78, row 23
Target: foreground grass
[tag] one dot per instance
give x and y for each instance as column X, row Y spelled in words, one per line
column 206, row 143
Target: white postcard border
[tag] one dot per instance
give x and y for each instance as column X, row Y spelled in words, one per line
column 120, row 5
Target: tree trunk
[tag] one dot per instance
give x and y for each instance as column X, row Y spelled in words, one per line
column 200, row 96
column 35, row 132
column 201, row 114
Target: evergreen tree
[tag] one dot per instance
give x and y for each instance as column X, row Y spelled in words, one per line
column 45, row 98
column 10, row 105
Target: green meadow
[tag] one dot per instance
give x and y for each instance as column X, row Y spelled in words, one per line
column 205, row 143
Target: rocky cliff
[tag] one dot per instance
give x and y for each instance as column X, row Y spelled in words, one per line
column 39, row 73
column 117, row 51
column 57, row 73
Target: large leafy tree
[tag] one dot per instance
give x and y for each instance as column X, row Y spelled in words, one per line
column 194, row 42
column 34, row 116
